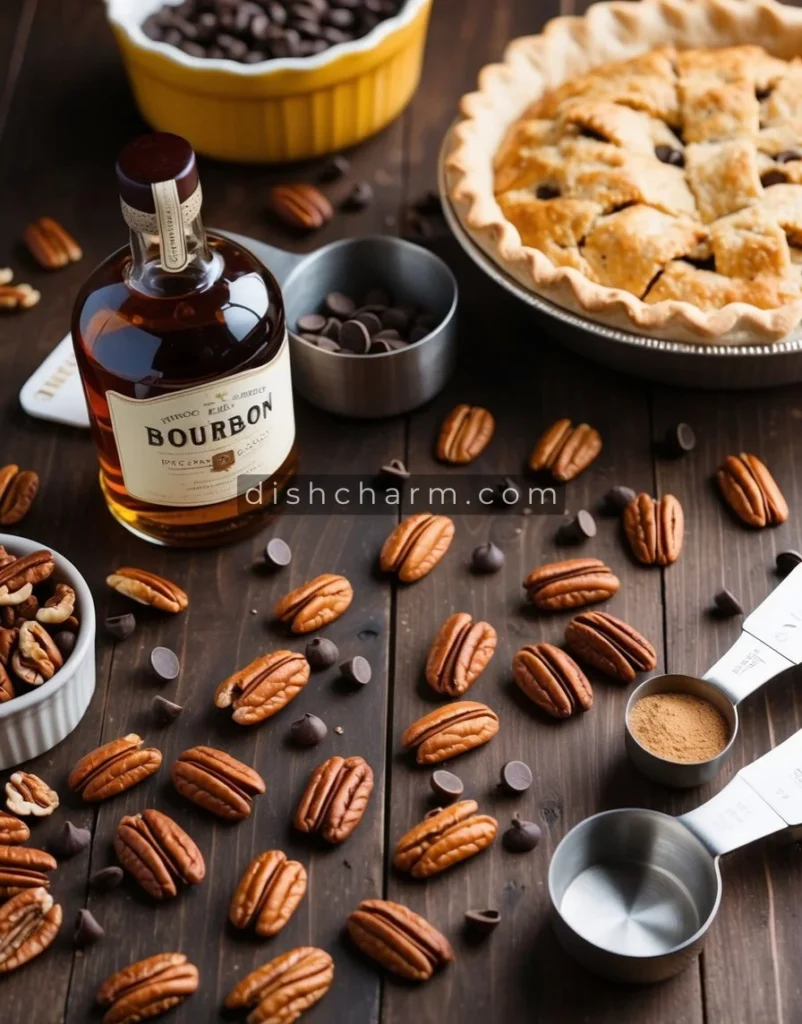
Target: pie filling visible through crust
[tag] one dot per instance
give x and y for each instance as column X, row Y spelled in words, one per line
column 675, row 175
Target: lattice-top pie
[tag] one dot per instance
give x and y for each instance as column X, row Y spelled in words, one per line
column 674, row 176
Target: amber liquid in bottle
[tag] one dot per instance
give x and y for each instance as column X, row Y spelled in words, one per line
column 142, row 333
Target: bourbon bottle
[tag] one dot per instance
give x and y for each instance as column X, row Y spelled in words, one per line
column 182, row 346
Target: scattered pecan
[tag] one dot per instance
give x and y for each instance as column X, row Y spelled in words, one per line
column 278, row 992
column 610, row 645
column 654, row 529
column 28, row 924
column 443, row 838
column 113, row 768
column 300, row 206
column 158, row 853
column 335, row 798
column 401, row 941
column 263, row 687
column 316, row 603
column 51, row 245
column 23, row 867
column 17, row 492
column 450, row 730
column 26, row 571
column 147, row 988
column 416, row 545
column 570, row 584
column 57, row 608
column 465, row 434
column 36, row 658
column 459, row 654
column 12, row 830
column 268, row 893
column 18, row 296
column 218, row 782
column 552, row 679
column 565, row 450
column 149, row 589
column 28, row 795
column 751, row 491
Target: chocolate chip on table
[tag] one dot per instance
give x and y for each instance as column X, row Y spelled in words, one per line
column 65, row 641
column 446, row 786
column 487, row 558
column 617, row 499
column 482, row 922
column 165, row 711
column 121, row 626
column 360, row 197
column 516, row 777
column 69, row 841
column 727, row 604
column 339, row 305
column 521, row 836
column 308, row 731
column 164, row 663
column 321, row 652
column 679, row 440
column 87, row 929
column 787, row 561
column 669, row 155
column 357, row 670
column 581, row 527
column 355, row 337
column 336, row 166
column 506, row 493
column 106, row 879
column 395, row 470
column 277, row 553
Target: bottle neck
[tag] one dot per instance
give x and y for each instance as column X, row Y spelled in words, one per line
column 146, row 273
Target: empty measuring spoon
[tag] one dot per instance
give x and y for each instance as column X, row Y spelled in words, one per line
column 634, row 891
column 770, row 643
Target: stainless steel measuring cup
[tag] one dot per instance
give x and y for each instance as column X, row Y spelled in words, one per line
column 634, row 891
column 770, row 643
column 376, row 385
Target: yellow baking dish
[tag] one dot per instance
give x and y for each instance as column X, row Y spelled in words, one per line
column 280, row 110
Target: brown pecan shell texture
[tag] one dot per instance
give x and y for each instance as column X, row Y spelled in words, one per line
column 149, row 589
column 552, row 679
column 465, row 434
column 28, row 924
column 445, row 838
column 12, row 830
column 450, row 730
column 566, row 450
column 398, row 939
column 263, row 687
column 654, row 528
column 268, row 893
column 570, row 584
column 416, row 545
column 158, row 853
column 278, row 992
column 218, row 782
column 147, row 988
column 335, row 798
column 461, row 651
column 113, row 768
column 610, row 645
column 751, row 491
column 18, row 488
column 316, row 603
column 24, row 867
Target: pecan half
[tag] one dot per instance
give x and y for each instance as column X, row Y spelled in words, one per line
column 36, row 657
column 57, row 608
column 149, row 589
column 459, row 654
column 654, row 529
column 335, row 798
column 565, row 450
column 18, row 296
column 316, row 603
column 28, row 570
column 158, row 853
column 610, row 645
column 28, row 795
column 22, row 612
column 416, row 545
column 218, row 782
column 300, row 205
column 465, row 434
column 11, row 600
column 552, row 679
column 8, row 640
column 263, row 687
column 400, row 940
column 23, row 867
column 570, row 584
column 50, row 244
column 17, row 492
column 113, row 768
column 444, row 838
column 12, row 830
column 147, row 988
column 268, row 893
column 278, row 992
column 28, row 924
column 451, row 730
column 751, row 491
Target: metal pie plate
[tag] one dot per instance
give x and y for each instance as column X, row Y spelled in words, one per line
column 717, row 367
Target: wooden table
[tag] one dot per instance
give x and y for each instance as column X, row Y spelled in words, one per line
column 65, row 111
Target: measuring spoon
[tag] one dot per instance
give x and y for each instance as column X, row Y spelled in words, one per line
column 634, row 891
column 770, row 643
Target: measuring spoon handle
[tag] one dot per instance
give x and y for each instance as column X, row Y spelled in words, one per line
column 763, row 798
column 770, row 643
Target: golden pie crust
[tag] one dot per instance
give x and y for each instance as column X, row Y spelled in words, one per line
column 642, row 165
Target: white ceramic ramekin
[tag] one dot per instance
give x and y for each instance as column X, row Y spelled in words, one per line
column 36, row 721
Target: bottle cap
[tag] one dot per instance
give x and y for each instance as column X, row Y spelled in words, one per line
column 151, row 159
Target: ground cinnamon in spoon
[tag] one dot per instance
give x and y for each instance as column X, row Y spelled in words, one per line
column 679, row 727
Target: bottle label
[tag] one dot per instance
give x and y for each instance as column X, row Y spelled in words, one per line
column 169, row 223
column 206, row 444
